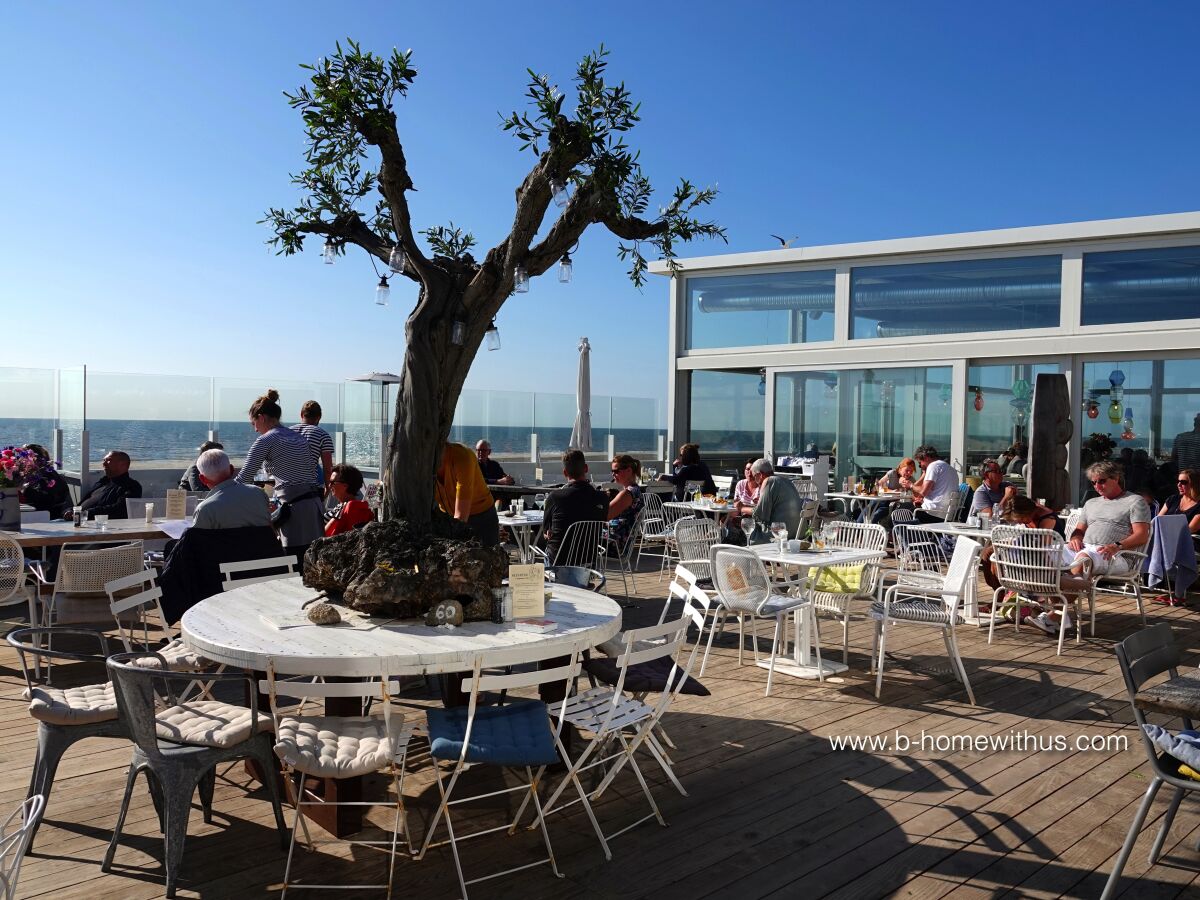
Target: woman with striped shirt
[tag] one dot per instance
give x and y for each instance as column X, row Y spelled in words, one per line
column 290, row 462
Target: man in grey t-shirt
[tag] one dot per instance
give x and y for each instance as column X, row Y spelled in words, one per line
column 1112, row 522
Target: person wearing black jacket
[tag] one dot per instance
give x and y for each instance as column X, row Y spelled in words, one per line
column 108, row 495
column 576, row 501
column 689, row 467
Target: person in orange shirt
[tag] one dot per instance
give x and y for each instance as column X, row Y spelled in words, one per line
column 462, row 492
column 345, row 481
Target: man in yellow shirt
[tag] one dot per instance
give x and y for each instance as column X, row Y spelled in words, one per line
column 462, row 492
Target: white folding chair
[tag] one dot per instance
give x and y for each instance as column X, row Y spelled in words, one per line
column 325, row 746
column 480, row 735
column 936, row 605
column 232, row 577
column 15, row 835
column 608, row 715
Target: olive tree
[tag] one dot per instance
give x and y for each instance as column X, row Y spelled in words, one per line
column 355, row 157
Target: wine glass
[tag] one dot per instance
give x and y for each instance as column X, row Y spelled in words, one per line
column 779, row 531
column 747, row 524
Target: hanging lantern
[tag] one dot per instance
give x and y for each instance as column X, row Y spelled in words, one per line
column 397, row 259
column 1021, row 389
column 1127, row 433
column 329, row 252
column 762, row 382
column 1019, row 410
column 1114, row 411
column 978, row 399
column 1116, row 391
column 1093, row 409
column 944, row 394
column 831, row 383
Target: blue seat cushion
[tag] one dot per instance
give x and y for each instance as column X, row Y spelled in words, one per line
column 518, row 734
column 642, row 678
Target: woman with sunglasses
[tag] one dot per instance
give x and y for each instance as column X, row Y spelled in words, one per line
column 345, row 481
column 1185, row 503
column 623, row 509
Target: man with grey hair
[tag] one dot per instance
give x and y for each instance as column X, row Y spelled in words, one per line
column 1114, row 521
column 229, row 504
column 778, row 501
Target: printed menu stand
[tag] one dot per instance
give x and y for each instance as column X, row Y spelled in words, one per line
column 176, row 504
column 528, row 585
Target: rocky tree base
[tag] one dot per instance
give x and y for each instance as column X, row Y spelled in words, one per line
column 402, row 570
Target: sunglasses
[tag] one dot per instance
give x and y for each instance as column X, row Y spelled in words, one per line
column 1183, row 481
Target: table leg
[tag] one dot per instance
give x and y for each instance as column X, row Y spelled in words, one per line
column 802, row 663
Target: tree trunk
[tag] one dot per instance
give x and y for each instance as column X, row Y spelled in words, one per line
column 430, row 383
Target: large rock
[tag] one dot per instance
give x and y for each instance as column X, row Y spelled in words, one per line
column 401, row 570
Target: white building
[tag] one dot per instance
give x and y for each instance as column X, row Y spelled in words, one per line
column 878, row 347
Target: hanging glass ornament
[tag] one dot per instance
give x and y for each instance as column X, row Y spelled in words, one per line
column 1114, row 410
column 944, row 394
column 1021, row 389
column 1093, row 409
column 1116, row 390
column 978, row 399
column 1127, row 425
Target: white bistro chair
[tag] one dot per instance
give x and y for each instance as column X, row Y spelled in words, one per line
column 837, row 587
column 251, row 571
column 16, row 833
column 929, row 604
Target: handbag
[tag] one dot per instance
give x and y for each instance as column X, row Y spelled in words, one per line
column 283, row 511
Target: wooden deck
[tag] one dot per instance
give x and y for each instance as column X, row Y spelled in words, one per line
column 773, row 809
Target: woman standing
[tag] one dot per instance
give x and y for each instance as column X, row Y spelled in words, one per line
column 290, row 462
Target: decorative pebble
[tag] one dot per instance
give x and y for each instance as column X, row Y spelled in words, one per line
column 445, row 612
column 324, row 614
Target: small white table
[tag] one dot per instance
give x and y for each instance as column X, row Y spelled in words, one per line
column 802, row 664
column 522, row 528
column 234, row 628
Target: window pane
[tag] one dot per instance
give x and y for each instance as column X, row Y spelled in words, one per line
column 1141, row 285
column 999, row 424
column 727, row 412
column 748, row 310
column 868, row 419
column 1116, row 390
column 954, row 297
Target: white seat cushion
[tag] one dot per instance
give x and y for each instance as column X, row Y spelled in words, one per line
column 208, row 722
column 340, row 746
column 179, row 657
column 84, row 705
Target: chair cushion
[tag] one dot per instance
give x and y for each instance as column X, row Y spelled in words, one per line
column 208, row 722
column 84, row 705
column 840, row 579
column 341, row 746
column 615, row 645
column 782, row 603
column 917, row 611
column 179, row 657
column 1183, row 746
column 643, row 677
column 518, row 734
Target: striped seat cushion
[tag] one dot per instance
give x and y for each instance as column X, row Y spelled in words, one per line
column 916, row 611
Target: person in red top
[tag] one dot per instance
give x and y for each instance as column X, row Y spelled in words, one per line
column 345, row 482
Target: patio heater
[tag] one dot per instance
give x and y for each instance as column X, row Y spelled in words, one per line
column 379, row 421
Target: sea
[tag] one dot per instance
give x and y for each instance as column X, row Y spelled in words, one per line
column 176, row 442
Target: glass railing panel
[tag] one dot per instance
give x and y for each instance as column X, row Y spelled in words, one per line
column 231, row 399
column 71, row 416
column 159, row 420
column 554, row 417
column 360, row 418
column 28, row 399
column 636, row 423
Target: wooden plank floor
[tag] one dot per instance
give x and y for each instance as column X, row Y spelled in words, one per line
column 773, row 809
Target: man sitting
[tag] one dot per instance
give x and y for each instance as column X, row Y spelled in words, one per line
column 936, row 486
column 575, row 501
column 230, row 504
column 1116, row 520
column 108, row 495
column 492, row 471
column 190, row 481
column 777, row 502
column 994, row 488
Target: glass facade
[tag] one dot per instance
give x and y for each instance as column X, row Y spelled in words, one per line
column 868, row 419
column 726, row 413
column 1158, row 284
column 971, row 295
column 750, row 310
column 998, row 407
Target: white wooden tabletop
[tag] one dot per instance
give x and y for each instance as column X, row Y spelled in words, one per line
column 249, row 627
column 528, row 519
column 955, row 528
column 55, row 534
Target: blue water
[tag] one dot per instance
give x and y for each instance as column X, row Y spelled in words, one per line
column 176, row 441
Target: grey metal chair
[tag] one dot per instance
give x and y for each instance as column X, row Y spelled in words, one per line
column 179, row 747
column 65, row 716
column 1142, row 656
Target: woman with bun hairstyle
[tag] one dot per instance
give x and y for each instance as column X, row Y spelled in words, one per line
column 290, row 462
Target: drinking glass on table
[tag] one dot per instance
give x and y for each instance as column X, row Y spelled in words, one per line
column 102, row 521
column 779, row 532
column 747, row 524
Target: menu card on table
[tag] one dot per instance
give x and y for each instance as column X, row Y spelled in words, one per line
column 528, row 585
column 176, row 504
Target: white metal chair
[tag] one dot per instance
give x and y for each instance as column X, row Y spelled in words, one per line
column 232, row 572
column 936, row 605
column 1028, row 562
column 837, row 587
column 16, row 833
column 695, row 537
column 622, row 553
column 135, row 611
column 14, row 578
column 656, row 532
column 745, row 590
column 806, row 488
column 324, row 746
column 519, row 736
column 610, row 716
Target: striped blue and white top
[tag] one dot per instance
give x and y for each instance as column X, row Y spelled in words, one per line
column 289, row 460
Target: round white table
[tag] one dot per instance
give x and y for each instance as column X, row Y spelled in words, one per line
column 251, row 627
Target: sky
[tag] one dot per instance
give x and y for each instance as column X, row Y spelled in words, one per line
column 143, row 141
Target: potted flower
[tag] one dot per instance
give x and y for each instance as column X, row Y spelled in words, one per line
column 20, row 468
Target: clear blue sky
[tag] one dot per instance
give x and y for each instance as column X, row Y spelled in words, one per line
column 142, row 141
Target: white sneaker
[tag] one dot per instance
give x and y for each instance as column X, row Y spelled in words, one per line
column 1046, row 624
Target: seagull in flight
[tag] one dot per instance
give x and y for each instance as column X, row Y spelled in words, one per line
column 785, row 244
